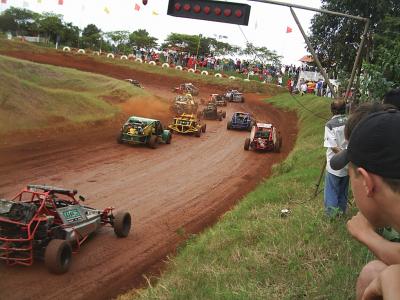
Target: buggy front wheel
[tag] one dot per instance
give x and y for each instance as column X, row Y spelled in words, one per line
column 247, row 144
column 122, row 224
column 57, row 256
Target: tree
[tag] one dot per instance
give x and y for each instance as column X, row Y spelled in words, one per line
column 336, row 39
column 51, row 25
column 70, row 35
column 262, row 54
column 142, row 39
column 22, row 21
column 91, row 36
column 120, row 40
column 7, row 23
column 383, row 73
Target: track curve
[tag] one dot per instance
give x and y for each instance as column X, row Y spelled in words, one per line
column 182, row 187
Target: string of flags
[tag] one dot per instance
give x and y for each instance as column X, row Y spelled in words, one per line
column 106, row 9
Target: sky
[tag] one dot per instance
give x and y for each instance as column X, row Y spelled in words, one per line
column 267, row 24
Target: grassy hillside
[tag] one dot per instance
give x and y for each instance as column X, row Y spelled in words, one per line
column 34, row 96
column 255, row 253
column 252, row 86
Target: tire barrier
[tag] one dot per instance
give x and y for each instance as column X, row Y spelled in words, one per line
column 81, row 51
column 218, row 75
column 179, row 68
column 124, row 57
column 246, row 79
column 204, row 72
column 110, row 55
column 67, row 49
column 96, row 53
column 232, row 77
column 165, row 65
column 139, row 60
column 152, row 62
column 191, row 70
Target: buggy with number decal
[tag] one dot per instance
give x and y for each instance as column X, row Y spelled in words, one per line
column 48, row 223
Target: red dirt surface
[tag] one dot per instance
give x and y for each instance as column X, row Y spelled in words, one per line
column 182, row 187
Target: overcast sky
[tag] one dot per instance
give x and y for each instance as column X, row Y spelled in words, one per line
column 267, row 24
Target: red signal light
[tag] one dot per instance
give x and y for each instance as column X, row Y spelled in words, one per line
column 227, row 12
column 210, row 10
column 238, row 13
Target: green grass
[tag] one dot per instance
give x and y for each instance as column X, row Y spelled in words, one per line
column 35, row 96
column 254, row 253
column 252, row 86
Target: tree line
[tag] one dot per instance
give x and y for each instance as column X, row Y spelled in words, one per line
column 53, row 28
column 336, row 40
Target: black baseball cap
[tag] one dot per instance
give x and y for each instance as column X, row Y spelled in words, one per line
column 374, row 145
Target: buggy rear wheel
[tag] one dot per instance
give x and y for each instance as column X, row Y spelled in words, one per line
column 119, row 139
column 247, row 144
column 228, row 125
column 198, row 133
column 153, row 142
column 168, row 141
column 203, row 128
column 122, row 224
column 57, row 256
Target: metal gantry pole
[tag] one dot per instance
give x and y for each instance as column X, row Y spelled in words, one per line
column 325, row 11
column 353, row 71
column 314, row 54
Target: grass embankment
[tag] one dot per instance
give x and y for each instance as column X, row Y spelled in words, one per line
column 254, row 253
column 252, row 86
column 35, row 96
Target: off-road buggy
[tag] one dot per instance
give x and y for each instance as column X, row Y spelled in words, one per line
column 186, row 88
column 264, row 137
column 187, row 124
column 218, row 99
column 134, row 82
column 241, row 121
column 184, row 104
column 49, row 223
column 138, row 130
column 211, row 112
column 234, row 96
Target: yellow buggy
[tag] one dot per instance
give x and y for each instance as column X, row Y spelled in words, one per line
column 187, row 124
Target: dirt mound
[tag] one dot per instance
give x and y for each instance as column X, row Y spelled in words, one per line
column 181, row 187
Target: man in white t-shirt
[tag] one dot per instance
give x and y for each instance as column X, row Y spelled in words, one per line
column 336, row 181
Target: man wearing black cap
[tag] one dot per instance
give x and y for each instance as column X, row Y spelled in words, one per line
column 393, row 97
column 373, row 155
column 336, row 181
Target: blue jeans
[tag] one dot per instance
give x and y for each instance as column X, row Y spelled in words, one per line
column 335, row 193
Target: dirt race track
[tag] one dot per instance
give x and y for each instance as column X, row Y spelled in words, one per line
column 182, row 187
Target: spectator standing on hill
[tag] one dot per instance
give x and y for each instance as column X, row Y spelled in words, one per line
column 303, row 88
column 374, row 168
column 336, row 181
column 393, row 97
